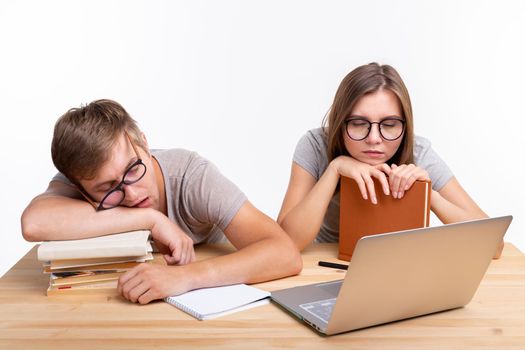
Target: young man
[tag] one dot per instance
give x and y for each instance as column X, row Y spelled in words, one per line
column 110, row 181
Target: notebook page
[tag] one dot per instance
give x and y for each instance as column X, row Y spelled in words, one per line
column 208, row 303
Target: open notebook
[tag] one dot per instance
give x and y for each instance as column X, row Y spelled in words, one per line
column 207, row 303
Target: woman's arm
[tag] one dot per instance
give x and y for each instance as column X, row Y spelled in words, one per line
column 305, row 204
column 306, row 200
column 453, row 204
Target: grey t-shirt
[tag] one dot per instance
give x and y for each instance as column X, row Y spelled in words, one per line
column 310, row 154
column 199, row 198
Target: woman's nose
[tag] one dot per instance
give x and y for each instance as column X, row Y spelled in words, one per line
column 374, row 136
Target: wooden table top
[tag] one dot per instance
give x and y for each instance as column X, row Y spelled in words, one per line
column 494, row 319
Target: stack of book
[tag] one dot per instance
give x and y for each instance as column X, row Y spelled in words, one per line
column 94, row 265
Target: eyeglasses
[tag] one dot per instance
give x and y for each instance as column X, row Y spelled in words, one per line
column 114, row 197
column 390, row 129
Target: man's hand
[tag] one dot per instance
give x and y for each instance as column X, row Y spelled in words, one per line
column 148, row 282
column 180, row 246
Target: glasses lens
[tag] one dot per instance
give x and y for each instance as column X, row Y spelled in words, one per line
column 113, row 199
column 134, row 174
column 391, row 129
column 357, row 129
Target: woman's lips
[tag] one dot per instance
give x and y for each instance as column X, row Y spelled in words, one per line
column 374, row 154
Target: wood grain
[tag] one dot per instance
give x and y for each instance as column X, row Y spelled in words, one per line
column 495, row 319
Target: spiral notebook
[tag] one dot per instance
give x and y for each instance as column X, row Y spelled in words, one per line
column 208, row 303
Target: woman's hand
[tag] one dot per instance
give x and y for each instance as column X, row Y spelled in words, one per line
column 402, row 177
column 363, row 173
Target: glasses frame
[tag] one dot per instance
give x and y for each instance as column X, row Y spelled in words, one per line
column 403, row 124
column 118, row 187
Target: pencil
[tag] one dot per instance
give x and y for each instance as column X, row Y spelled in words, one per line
column 333, row 265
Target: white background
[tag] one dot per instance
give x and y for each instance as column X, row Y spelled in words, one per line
column 241, row 81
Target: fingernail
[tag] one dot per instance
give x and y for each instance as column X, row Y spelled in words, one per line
column 374, row 200
column 394, row 194
column 401, row 194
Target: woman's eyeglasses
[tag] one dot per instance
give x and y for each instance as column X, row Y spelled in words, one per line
column 390, row 129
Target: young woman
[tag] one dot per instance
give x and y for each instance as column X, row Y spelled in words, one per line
column 367, row 134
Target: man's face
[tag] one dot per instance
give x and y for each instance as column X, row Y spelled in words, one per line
column 142, row 194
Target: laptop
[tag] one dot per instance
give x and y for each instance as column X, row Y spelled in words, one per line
column 398, row 275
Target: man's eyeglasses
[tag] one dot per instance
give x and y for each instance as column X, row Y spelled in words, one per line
column 114, row 197
column 390, row 129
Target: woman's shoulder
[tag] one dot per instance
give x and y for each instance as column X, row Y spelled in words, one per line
column 310, row 152
column 428, row 159
column 421, row 145
column 424, row 154
column 315, row 136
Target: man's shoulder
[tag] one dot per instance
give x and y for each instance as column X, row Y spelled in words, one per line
column 173, row 153
column 178, row 161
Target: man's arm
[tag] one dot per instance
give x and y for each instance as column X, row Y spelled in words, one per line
column 60, row 213
column 265, row 252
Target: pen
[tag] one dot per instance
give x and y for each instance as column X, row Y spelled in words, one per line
column 334, row 265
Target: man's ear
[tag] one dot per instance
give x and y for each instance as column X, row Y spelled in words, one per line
column 145, row 142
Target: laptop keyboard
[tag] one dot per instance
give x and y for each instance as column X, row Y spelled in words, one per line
column 322, row 309
column 331, row 287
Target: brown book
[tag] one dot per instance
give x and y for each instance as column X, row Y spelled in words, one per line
column 359, row 217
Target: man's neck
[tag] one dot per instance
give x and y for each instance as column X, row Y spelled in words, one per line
column 160, row 185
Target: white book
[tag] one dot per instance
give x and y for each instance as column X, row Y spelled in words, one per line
column 133, row 243
column 207, row 303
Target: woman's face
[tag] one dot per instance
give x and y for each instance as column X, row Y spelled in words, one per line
column 375, row 107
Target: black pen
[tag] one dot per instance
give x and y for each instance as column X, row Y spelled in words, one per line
column 334, row 265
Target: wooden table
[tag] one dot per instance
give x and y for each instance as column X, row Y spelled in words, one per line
column 495, row 319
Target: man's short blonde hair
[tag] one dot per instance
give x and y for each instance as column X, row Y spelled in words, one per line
column 83, row 137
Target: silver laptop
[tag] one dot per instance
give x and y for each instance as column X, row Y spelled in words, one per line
column 398, row 275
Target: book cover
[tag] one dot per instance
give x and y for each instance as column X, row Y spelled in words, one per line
column 359, row 217
column 133, row 243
